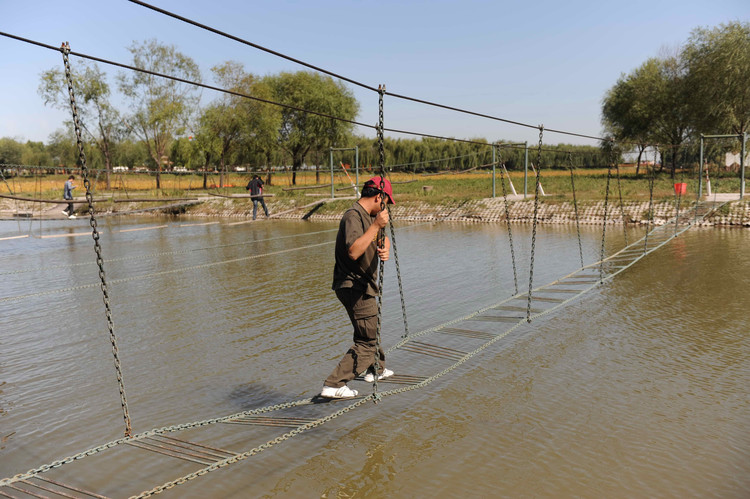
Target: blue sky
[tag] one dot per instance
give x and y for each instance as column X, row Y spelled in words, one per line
column 542, row 62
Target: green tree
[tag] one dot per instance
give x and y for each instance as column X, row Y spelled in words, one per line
column 100, row 120
column 299, row 131
column 673, row 106
column 35, row 154
column 160, row 107
column 718, row 75
column 234, row 126
column 630, row 108
column 62, row 147
column 651, row 105
column 11, row 151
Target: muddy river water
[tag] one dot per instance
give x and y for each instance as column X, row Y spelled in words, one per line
column 640, row 388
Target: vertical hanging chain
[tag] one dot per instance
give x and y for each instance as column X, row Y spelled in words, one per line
column 398, row 275
column 65, row 49
column 651, row 179
column 381, row 241
column 611, row 160
column 575, row 206
column 507, row 223
column 622, row 207
column 536, row 210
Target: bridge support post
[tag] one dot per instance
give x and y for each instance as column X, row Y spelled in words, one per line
column 494, row 158
column 742, row 165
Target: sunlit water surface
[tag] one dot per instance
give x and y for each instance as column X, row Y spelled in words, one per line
column 638, row 389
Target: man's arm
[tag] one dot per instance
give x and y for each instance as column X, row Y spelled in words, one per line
column 359, row 246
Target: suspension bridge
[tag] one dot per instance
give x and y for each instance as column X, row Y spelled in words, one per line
column 431, row 354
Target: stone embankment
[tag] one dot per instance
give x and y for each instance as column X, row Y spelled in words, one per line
column 490, row 210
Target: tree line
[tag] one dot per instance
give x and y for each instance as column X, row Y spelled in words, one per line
column 158, row 123
column 702, row 88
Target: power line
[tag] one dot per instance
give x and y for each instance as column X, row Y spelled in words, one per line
column 183, row 80
column 287, row 106
column 251, row 44
column 354, row 82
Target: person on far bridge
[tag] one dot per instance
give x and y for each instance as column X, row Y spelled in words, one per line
column 255, row 186
column 68, row 195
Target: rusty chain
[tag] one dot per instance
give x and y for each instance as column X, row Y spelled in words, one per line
column 507, row 223
column 606, row 204
column 651, row 181
column 381, row 242
column 622, row 207
column 575, row 205
column 534, row 224
column 65, row 49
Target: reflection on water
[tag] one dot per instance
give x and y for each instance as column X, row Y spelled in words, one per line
column 638, row 389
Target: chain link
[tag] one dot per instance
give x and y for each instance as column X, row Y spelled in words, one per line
column 398, row 276
column 575, row 205
column 239, row 457
column 507, row 223
column 606, row 204
column 536, row 211
column 651, row 180
column 622, row 207
column 381, row 241
column 65, row 49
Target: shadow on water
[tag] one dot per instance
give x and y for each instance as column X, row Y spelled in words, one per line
column 250, row 396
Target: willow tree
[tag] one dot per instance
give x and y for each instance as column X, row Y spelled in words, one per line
column 718, row 72
column 650, row 105
column 160, row 107
column 301, row 131
column 630, row 110
column 237, row 125
column 99, row 119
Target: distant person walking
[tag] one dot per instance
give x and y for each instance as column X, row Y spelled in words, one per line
column 68, row 194
column 255, row 186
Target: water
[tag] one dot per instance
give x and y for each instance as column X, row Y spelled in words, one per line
column 637, row 389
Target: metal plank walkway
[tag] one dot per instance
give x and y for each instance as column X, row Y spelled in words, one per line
column 440, row 350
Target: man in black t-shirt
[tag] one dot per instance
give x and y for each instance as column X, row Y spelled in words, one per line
column 255, row 186
column 355, row 285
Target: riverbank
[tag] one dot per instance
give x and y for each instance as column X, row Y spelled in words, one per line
column 488, row 210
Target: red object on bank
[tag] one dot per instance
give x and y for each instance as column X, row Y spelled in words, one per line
column 680, row 188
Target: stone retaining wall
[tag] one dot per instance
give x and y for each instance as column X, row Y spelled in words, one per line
column 493, row 210
column 490, row 210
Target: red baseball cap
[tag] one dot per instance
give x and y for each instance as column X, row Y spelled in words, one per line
column 375, row 182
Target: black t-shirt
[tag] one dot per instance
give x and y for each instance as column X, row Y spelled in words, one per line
column 359, row 273
column 255, row 186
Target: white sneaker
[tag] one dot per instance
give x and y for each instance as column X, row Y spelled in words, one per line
column 387, row 373
column 344, row 392
column 64, row 213
column 71, row 217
